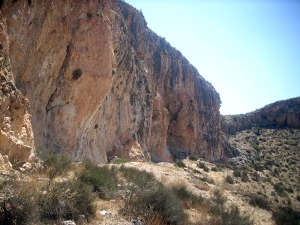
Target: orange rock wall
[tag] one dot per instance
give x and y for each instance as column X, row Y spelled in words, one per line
column 137, row 97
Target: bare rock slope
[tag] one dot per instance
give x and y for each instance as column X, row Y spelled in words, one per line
column 100, row 83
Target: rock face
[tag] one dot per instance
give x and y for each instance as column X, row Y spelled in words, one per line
column 101, row 84
column 16, row 137
column 276, row 115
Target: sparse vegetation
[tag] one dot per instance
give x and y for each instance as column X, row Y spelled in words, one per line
column 56, row 164
column 207, row 180
column 103, row 180
column 226, row 215
column 99, row 14
column 215, row 169
column 229, row 179
column 114, row 71
column 31, row 203
column 148, row 198
column 187, row 197
column 180, row 163
column 89, row 15
column 203, row 166
column 257, row 130
column 256, row 147
column 119, row 161
column 286, row 216
column 193, row 158
column 65, row 200
column 49, row 201
column 237, row 173
column 77, row 73
column 257, row 200
column 245, row 177
column 279, row 188
column 18, row 204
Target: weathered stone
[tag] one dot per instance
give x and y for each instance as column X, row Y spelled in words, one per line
column 106, row 86
column 280, row 114
column 16, row 137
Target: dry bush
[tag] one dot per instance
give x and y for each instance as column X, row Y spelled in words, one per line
column 19, row 203
column 65, row 200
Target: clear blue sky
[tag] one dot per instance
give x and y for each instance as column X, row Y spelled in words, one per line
column 248, row 49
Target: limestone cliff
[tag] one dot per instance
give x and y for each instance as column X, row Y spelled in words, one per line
column 16, row 138
column 101, row 84
column 280, row 114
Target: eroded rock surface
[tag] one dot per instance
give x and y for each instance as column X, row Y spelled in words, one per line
column 16, row 137
column 101, row 84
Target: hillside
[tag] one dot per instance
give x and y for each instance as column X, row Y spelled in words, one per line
column 280, row 114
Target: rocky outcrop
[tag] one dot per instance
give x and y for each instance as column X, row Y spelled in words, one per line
column 16, row 137
column 101, row 84
column 280, row 114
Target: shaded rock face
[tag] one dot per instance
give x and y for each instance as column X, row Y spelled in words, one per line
column 280, row 114
column 135, row 96
column 16, row 137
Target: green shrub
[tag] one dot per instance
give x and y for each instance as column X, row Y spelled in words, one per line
column 56, row 164
column 187, row 197
column 257, row 130
column 193, row 158
column 215, row 169
column 229, row 179
column 245, row 177
column 77, row 73
column 137, row 177
column 286, row 216
column 279, row 188
column 18, row 203
column 31, row 203
column 65, row 200
column 205, row 168
column 103, row 180
column 256, row 147
column 225, row 215
column 232, row 216
column 237, row 173
column 114, row 71
column 256, row 177
column 99, row 14
column 180, row 163
column 201, row 165
column 89, row 15
column 261, row 202
column 207, row 180
column 119, row 161
column 156, row 198
column 147, row 197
